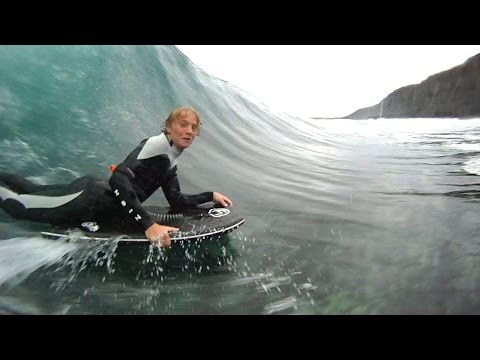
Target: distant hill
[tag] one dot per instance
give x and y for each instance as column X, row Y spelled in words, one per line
column 454, row 93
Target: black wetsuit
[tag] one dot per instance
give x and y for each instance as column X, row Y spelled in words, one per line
column 150, row 166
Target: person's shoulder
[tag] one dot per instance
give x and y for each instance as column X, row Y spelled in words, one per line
column 154, row 146
column 158, row 137
column 153, row 138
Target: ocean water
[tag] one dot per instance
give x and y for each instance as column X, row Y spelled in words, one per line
column 342, row 216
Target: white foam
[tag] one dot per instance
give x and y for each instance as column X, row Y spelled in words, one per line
column 472, row 166
column 19, row 257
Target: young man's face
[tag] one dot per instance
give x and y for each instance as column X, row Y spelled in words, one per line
column 183, row 130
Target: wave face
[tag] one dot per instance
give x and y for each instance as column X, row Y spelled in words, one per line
column 342, row 216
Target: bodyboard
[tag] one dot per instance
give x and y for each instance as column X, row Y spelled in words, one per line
column 194, row 224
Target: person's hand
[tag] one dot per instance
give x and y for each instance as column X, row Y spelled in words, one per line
column 158, row 234
column 221, row 199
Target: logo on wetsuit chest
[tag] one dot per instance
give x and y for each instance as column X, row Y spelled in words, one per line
column 218, row 212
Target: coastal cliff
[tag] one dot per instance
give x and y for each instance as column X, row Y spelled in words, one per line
column 453, row 93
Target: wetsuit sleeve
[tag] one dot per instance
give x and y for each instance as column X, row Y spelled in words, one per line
column 177, row 199
column 122, row 188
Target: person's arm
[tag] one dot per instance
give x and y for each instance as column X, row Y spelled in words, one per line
column 177, row 199
column 122, row 187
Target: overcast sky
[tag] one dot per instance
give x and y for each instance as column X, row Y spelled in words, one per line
column 324, row 80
